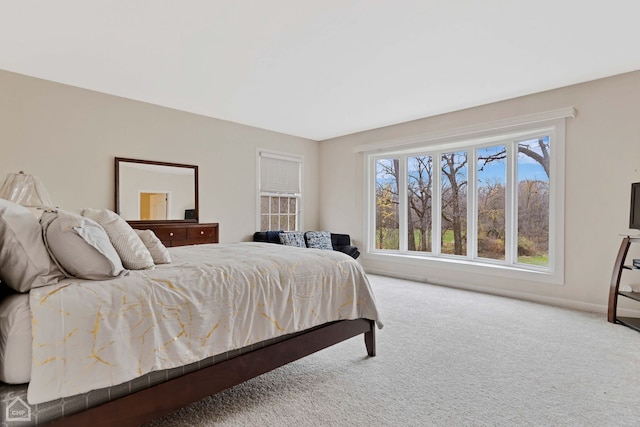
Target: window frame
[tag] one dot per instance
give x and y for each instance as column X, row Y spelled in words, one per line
column 298, row 196
column 471, row 141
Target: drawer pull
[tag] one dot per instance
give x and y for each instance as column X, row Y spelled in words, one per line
column 201, row 232
column 171, row 234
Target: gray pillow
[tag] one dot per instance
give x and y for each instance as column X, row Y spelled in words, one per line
column 80, row 246
column 293, row 238
column 319, row 240
column 24, row 260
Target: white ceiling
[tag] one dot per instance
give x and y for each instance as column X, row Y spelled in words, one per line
column 320, row 68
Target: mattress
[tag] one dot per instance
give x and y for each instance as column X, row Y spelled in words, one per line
column 15, row 339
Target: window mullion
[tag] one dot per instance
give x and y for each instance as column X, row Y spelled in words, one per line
column 403, row 211
column 436, row 244
column 511, row 212
column 472, row 204
column 371, row 215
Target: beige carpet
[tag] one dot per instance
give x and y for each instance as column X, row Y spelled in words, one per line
column 448, row 357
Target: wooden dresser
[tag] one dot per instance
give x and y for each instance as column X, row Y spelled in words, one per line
column 181, row 234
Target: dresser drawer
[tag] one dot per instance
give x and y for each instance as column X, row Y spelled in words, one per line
column 198, row 233
column 183, row 234
column 171, row 233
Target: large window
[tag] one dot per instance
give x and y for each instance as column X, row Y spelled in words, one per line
column 280, row 191
column 490, row 201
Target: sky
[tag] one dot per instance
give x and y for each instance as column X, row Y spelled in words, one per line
column 495, row 171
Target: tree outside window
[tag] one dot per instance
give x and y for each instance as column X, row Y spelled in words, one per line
column 487, row 196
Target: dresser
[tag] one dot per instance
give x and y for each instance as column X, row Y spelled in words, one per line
column 182, row 234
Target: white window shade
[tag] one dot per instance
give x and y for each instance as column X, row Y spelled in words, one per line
column 279, row 174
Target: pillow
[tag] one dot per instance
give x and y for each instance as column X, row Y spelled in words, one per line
column 133, row 253
column 24, row 260
column 158, row 251
column 293, row 238
column 319, row 240
column 80, row 246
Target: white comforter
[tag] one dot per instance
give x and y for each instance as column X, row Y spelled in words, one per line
column 211, row 299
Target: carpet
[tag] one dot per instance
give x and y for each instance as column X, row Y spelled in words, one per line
column 448, row 357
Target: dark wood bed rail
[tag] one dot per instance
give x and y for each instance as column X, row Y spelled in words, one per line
column 162, row 399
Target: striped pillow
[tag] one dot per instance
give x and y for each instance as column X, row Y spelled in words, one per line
column 158, row 251
column 132, row 251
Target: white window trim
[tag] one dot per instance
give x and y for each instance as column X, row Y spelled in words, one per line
column 260, row 152
column 471, row 138
column 466, row 132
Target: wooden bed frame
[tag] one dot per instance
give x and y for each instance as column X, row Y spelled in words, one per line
column 159, row 400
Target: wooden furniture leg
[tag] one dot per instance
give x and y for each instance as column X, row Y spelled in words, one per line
column 370, row 340
column 615, row 279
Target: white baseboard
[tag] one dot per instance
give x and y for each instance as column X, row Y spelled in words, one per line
column 558, row 302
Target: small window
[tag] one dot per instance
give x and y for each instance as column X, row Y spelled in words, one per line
column 280, row 191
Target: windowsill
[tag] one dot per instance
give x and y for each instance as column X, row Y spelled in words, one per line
column 527, row 273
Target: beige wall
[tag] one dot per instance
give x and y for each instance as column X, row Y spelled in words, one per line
column 602, row 160
column 69, row 138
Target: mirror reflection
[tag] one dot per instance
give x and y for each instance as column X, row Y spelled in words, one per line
column 155, row 191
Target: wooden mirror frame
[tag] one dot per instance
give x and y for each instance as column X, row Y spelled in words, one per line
column 119, row 160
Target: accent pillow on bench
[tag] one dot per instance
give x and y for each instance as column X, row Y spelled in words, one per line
column 337, row 242
column 292, row 238
column 318, row 240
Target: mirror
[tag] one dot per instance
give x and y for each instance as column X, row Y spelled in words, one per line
column 148, row 191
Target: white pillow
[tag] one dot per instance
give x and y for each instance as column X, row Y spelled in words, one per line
column 24, row 260
column 158, row 251
column 133, row 253
column 80, row 246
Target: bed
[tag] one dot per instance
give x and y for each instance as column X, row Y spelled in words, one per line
column 136, row 346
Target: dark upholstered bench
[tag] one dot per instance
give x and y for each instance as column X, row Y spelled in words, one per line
column 340, row 242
